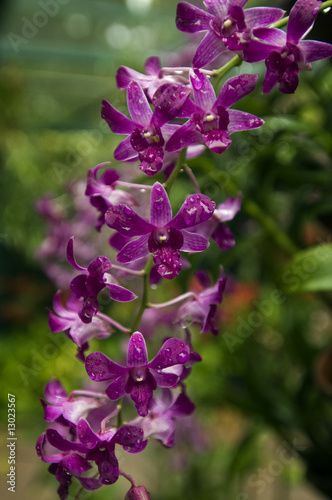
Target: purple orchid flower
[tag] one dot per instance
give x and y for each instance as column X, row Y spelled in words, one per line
column 154, row 78
column 290, row 54
column 229, row 28
column 103, row 192
column 148, row 131
column 211, row 121
column 163, row 235
column 163, row 412
column 101, row 447
column 215, row 228
column 88, row 284
column 140, row 377
column 202, row 309
column 71, row 407
column 67, row 319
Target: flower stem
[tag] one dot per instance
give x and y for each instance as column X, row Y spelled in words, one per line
column 129, row 478
column 112, row 322
column 172, row 302
column 127, row 270
column 145, row 297
column 180, row 163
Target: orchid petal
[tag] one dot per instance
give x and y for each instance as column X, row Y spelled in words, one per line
column 123, row 219
column 193, row 242
column 99, row 367
column 170, row 101
column 234, row 89
column 262, row 16
column 75, row 464
column 125, row 75
column 217, row 8
column 184, row 137
column 152, row 66
column 117, row 122
column 204, row 94
column 196, row 208
column 301, row 19
column 228, row 209
column 134, row 250
column 57, row 324
column 315, row 50
column 257, row 50
column 54, row 392
column 86, row 434
column 160, row 209
column 117, row 388
column 70, row 255
column 124, row 151
column 270, row 80
column 192, row 19
column 271, row 35
column 209, row 48
column 173, row 352
column 239, row 120
column 138, row 105
column 120, row 294
column 137, row 354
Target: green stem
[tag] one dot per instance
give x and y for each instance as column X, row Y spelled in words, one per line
column 180, row 164
column 145, row 297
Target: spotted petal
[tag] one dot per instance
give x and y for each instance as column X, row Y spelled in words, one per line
column 173, row 352
column 234, row 89
column 301, row 18
column 123, row 219
column 239, row 120
column 134, row 250
column 209, row 48
column 192, row 19
column 99, row 367
column 137, row 354
column 160, row 209
column 197, row 208
column 138, row 105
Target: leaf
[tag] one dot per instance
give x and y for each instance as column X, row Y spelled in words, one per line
column 309, row 271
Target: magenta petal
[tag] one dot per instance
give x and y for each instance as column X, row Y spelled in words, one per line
column 165, row 379
column 131, row 438
column 51, row 413
column 204, row 94
column 209, row 48
column 234, row 89
column 219, row 7
column 192, row 19
column 182, row 406
column 59, row 308
column 124, row 151
column 271, row 35
column 75, row 464
column 70, row 255
column 183, row 137
column 141, row 394
column 126, row 75
column 116, row 389
column 152, row 66
column 229, row 208
column 238, row 120
column 270, row 80
column 90, row 483
column 123, row 219
column 197, row 208
column 170, row 101
column 121, row 294
column 137, row 354
column 57, row 324
column 301, row 18
column 262, row 16
column 138, row 105
column 258, row 50
column 134, row 250
column 224, row 237
column 314, row 50
column 54, row 392
column 86, row 435
column 62, row 444
column 172, row 352
column 193, row 242
column 117, row 122
column 100, row 367
column 167, row 261
column 160, row 207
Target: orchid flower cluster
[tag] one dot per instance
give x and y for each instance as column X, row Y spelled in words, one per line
column 175, row 114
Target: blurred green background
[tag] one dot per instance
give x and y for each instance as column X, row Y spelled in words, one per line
column 262, row 427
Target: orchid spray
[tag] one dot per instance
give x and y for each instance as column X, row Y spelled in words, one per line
column 176, row 113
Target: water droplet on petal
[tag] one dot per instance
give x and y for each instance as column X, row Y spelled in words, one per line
column 182, row 357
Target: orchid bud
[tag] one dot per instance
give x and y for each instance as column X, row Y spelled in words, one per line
column 137, row 493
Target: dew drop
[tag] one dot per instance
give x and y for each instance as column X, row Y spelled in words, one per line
column 182, row 357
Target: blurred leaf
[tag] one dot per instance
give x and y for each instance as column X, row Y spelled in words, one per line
column 309, row 270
